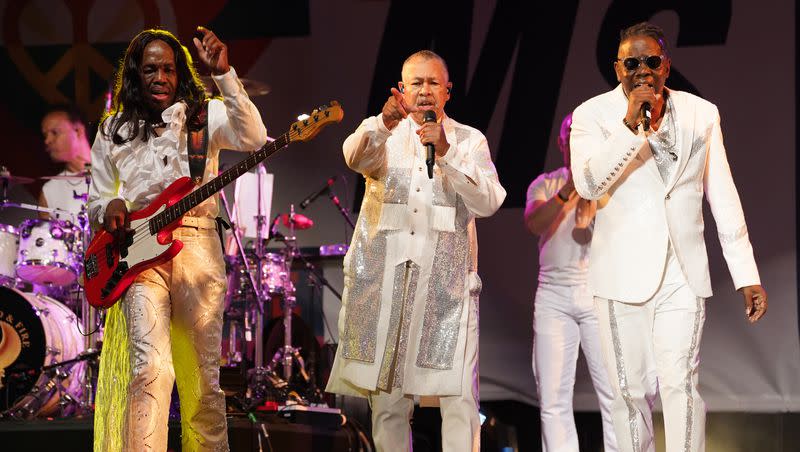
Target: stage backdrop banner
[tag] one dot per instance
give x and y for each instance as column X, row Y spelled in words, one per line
column 517, row 68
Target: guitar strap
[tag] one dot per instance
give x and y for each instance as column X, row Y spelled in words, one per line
column 197, row 142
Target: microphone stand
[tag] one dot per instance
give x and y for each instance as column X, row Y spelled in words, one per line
column 238, row 238
column 314, row 271
column 335, row 200
column 259, row 346
column 89, row 317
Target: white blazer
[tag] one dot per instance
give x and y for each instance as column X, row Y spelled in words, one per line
column 643, row 214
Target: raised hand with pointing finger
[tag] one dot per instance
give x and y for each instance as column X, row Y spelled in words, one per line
column 395, row 109
column 212, row 52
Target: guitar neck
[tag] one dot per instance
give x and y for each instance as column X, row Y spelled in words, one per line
column 177, row 210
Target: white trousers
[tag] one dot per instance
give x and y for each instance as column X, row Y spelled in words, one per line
column 564, row 319
column 174, row 317
column 652, row 348
column 461, row 426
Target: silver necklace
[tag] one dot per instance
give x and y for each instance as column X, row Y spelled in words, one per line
column 663, row 141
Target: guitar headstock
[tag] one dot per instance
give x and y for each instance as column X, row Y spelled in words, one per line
column 308, row 128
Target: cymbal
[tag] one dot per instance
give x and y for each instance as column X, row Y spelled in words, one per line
column 300, row 221
column 79, row 176
column 251, row 87
column 12, row 180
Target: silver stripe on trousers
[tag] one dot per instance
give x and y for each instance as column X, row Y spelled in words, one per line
column 623, row 379
column 687, row 445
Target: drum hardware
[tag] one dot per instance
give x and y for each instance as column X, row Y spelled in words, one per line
column 7, row 179
column 316, row 279
column 297, row 221
column 286, row 355
column 90, row 320
column 34, row 384
column 328, row 188
column 269, row 278
column 280, row 357
column 30, row 405
column 69, row 177
column 257, row 388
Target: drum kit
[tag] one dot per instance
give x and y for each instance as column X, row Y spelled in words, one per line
column 50, row 336
column 47, row 352
column 257, row 280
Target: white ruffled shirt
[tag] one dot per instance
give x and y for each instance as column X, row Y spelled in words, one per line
column 136, row 171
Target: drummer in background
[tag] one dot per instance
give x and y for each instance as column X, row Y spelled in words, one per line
column 66, row 141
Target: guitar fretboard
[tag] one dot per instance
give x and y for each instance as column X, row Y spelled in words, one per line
column 177, row 210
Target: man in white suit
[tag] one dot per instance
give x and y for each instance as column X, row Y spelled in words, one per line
column 408, row 326
column 648, row 270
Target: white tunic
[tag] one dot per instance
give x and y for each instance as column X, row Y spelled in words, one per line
column 408, row 277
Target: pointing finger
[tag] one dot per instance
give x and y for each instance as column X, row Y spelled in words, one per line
column 198, row 45
column 401, row 104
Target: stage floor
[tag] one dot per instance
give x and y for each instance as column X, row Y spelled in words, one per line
column 509, row 424
column 75, row 435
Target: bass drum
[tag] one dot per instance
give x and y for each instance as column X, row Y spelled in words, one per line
column 36, row 331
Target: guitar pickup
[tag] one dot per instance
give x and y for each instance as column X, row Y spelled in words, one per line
column 123, row 247
column 119, row 272
column 90, row 265
column 113, row 280
column 109, row 255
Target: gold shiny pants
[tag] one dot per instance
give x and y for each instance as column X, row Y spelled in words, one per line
column 172, row 314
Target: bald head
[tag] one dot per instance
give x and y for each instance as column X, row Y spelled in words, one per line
column 424, row 55
column 426, row 84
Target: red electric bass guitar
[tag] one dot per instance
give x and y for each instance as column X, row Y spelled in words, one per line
column 107, row 275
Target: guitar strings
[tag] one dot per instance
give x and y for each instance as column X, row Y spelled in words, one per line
column 143, row 230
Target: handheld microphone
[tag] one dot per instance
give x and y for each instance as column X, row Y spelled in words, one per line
column 646, row 116
column 430, row 116
column 310, row 198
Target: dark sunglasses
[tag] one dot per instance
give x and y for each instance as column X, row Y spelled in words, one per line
column 632, row 63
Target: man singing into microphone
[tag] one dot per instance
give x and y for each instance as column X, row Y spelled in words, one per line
column 409, row 321
column 648, row 269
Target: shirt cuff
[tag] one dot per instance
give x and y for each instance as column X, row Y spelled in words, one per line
column 447, row 160
column 228, row 83
column 381, row 127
